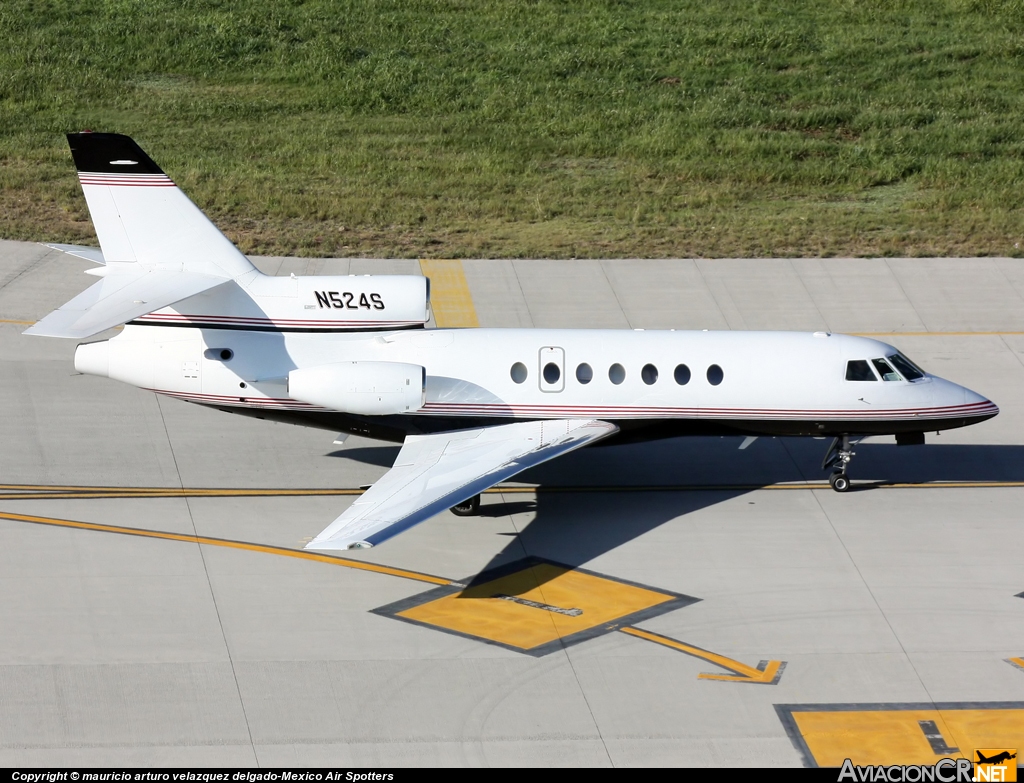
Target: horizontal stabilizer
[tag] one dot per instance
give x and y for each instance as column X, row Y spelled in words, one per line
column 125, row 292
column 435, row 472
column 93, row 254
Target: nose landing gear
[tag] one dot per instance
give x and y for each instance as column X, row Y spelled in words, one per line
column 838, row 458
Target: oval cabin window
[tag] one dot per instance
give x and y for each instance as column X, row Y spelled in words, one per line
column 682, row 374
column 649, row 374
column 518, row 372
column 551, row 373
column 715, row 375
column 616, row 374
column 584, row 373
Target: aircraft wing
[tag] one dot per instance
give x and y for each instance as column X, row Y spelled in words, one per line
column 125, row 292
column 435, row 472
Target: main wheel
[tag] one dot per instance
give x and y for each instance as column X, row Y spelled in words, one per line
column 467, row 508
column 839, row 482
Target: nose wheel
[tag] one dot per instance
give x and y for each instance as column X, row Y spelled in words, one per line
column 839, row 481
column 838, row 457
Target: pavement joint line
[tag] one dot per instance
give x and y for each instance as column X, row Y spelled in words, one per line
column 300, row 554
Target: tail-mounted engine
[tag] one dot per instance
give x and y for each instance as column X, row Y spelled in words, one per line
column 365, row 388
column 305, row 304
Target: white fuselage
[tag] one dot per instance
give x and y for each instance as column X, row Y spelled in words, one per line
column 771, row 382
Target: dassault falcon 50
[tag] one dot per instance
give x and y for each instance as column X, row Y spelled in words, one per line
column 471, row 407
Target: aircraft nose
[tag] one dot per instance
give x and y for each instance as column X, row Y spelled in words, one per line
column 973, row 398
column 978, row 406
column 93, row 359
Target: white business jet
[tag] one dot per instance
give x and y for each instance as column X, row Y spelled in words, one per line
column 471, row 407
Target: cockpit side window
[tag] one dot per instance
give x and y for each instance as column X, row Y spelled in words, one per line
column 887, row 372
column 859, row 370
column 907, row 368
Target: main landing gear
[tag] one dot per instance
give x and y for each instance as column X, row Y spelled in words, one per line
column 467, row 508
column 838, row 458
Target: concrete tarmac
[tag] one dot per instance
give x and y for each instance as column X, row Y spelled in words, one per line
column 153, row 611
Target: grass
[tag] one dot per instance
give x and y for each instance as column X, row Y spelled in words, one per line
column 536, row 128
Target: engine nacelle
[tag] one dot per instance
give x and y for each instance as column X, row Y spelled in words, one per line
column 306, row 304
column 365, row 388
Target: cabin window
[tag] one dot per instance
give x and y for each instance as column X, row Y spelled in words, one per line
column 887, row 372
column 649, row 374
column 518, row 372
column 682, row 374
column 715, row 375
column 907, row 368
column 616, row 374
column 859, row 370
column 551, row 373
column 584, row 373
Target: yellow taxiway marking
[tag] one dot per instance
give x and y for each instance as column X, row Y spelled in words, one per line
column 272, row 550
column 767, row 674
column 450, row 299
column 506, row 609
column 63, row 492
column 28, row 492
column 215, row 491
column 1018, row 662
column 905, row 736
column 448, row 284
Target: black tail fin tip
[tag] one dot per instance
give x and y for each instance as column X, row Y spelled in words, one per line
column 110, row 153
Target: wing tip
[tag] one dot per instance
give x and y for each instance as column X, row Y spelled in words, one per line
column 328, row 544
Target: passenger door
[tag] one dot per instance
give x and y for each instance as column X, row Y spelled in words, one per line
column 552, row 369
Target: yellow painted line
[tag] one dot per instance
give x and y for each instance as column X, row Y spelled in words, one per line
column 41, row 492
column 450, row 295
column 742, row 673
column 158, row 495
column 1018, row 662
column 272, row 550
column 55, row 492
column 450, row 299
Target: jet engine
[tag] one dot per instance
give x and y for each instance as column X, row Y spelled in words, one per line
column 365, row 388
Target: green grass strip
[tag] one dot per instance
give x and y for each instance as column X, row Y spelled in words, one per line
column 497, row 128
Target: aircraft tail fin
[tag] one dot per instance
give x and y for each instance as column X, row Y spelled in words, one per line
column 158, row 246
column 141, row 216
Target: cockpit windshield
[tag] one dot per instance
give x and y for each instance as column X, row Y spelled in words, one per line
column 907, row 368
column 859, row 370
column 887, row 372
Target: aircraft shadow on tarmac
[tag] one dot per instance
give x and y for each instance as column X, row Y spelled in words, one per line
column 381, row 456
column 718, row 462
column 574, row 528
